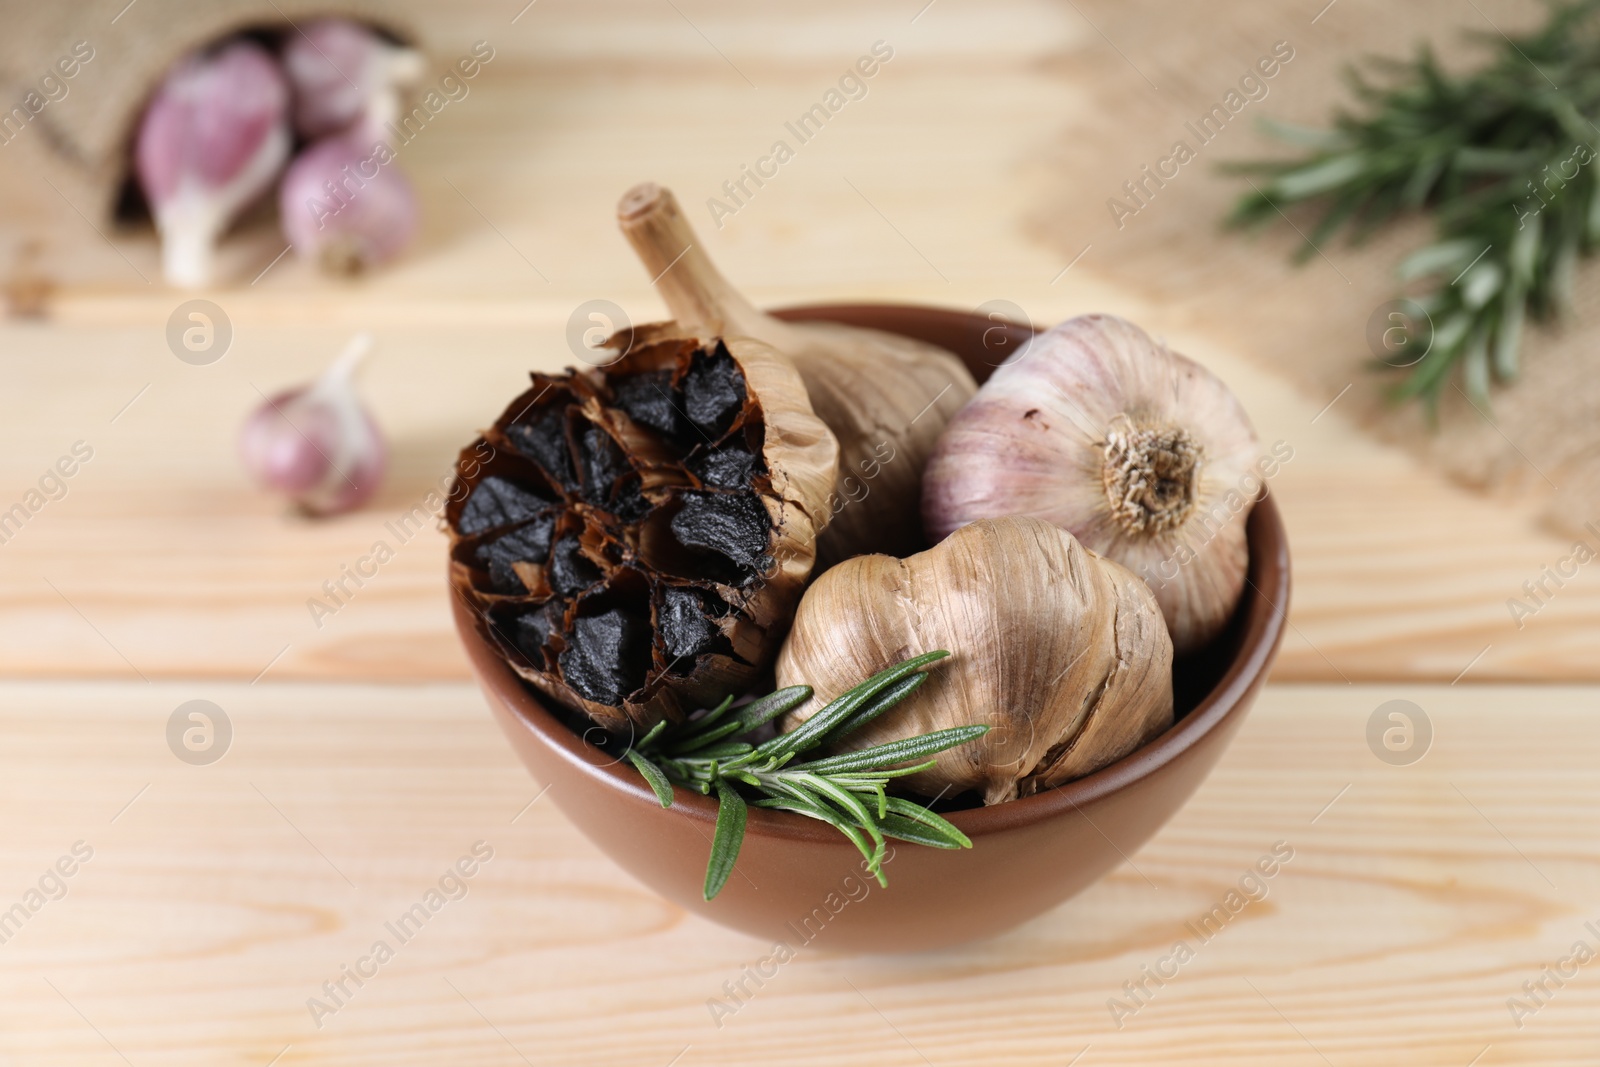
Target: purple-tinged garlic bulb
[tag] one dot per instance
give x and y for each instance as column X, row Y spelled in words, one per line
column 1142, row 454
column 346, row 205
column 346, row 76
column 212, row 140
column 317, row 444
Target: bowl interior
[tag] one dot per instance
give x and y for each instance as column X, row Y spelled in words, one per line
column 1208, row 685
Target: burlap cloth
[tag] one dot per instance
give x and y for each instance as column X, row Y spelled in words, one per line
column 1150, row 67
column 80, row 143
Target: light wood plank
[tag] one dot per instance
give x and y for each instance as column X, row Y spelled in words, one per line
column 167, row 563
column 216, row 903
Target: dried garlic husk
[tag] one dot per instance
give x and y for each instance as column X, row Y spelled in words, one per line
column 1143, row 454
column 886, row 397
column 1061, row 652
column 634, row 537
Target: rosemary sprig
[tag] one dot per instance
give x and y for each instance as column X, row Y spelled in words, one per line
column 847, row 791
column 1505, row 157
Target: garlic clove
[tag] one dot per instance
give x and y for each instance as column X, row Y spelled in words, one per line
column 346, row 206
column 211, row 141
column 884, row 396
column 1144, row 455
column 346, row 77
column 317, row 444
column 1062, row 653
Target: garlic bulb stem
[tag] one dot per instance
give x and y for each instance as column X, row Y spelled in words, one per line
column 1151, row 475
column 699, row 297
column 335, row 381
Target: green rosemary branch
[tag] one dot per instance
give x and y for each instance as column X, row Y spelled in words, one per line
column 1504, row 157
column 847, row 791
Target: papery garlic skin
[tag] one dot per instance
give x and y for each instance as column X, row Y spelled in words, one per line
column 1062, row 653
column 1144, row 455
column 345, row 205
column 317, row 444
column 212, row 140
column 346, row 78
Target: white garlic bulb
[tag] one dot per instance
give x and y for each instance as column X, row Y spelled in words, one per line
column 1143, row 454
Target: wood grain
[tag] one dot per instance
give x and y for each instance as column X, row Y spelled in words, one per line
column 165, row 562
column 1418, row 900
column 220, row 898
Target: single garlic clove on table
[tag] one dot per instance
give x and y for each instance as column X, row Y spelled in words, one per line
column 317, row 444
column 885, row 397
column 212, row 140
column 1061, row 653
column 1144, row 455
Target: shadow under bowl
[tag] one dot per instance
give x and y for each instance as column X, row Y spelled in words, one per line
column 798, row 881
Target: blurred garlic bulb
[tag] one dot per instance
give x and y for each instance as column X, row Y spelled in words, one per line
column 344, row 74
column 316, row 443
column 346, row 205
column 1143, row 454
column 212, row 140
column 1062, row 653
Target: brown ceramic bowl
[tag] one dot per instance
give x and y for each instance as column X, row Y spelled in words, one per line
column 798, row 880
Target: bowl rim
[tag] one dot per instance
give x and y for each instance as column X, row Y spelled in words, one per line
column 1264, row 606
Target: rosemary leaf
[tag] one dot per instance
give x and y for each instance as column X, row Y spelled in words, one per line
column 880, row 704
column 729, row 836
column 812, row 808
column 904, row 829
column 653, row 775
column 892, row 752
column 653, row 733
column 815, row 730
column 902, row 809
column 704, row 738
column 848, row 791
column 727, row 750
column 853, row 807
column 762, row 711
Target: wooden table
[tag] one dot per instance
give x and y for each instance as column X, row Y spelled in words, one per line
column 220, row 898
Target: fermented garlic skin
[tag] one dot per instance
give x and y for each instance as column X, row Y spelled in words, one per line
column 213, row 139
column 1144, row 455
column 1061, row 653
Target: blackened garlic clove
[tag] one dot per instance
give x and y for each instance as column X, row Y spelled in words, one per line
column 346, row 77
column 212, row 140
column 317, row 444
column 1144, row 455
column 885, row 397
column 346, row 206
